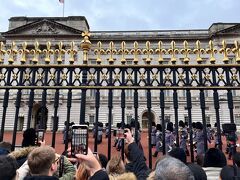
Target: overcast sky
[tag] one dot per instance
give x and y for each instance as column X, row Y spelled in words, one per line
column 124, row 15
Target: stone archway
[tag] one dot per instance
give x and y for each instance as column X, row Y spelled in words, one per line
column 145, row 119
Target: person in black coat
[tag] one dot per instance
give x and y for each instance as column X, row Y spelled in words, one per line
column 135, row 158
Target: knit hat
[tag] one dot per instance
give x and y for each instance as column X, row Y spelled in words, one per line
column 179, row 154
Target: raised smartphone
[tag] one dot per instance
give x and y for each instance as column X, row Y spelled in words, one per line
column 79, row 143
column 40, row 135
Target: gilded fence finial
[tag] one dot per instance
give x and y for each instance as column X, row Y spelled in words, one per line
column 148, row 51
column 160, row 51
column 2, row 51
column 48, row 51
column 185, row 51
column 225, row 51
column 60, row 52
column 24, row 51
column 173, row 51
column 99, row 51
column 72, row 52
column 111, row 51
column 85, row 45
column 12, row 52
column 198, row 51
column 236, row 51
column 211, row 51
column 135, row 51
column 123, row 51
column 36, row 51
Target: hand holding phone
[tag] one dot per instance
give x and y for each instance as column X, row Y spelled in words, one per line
column 79, row 143
column 40, row 135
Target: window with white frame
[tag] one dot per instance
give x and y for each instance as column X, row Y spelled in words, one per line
column 129, row 118
column 237, row 119
column 92, row 93
column 208, row 120
column 91, row 119
column 20, row 123
column 129, row 93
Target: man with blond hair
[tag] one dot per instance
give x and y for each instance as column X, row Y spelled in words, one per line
column 42, row 163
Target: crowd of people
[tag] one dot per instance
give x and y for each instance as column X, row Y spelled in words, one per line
column 38, row 161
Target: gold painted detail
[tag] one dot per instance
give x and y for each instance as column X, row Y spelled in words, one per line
column 181, row 76
column 207, row 76
column 211, row 51
column 2, row 76
column 123, row 51
column 225, row 51
column 117, row 76
column 160, row 51
column 154, row 76
column 36, row 51
column 142, row 76
column 60, row 52
column 111, row 51
column 99, row 51
column 26, row 76
column 91, row 77
column 23, row 52
column 221, row 76
column 148, row 51
column 14, row 76
column 72, row 52
column 129, row 77
column 85, row 45
column 185, row 51
column 194, row 76
column 77, row 76
column 2, row 51
column 168, row 77
column 52, row 76
column 234, row 77
column 236, row 51
column 104, row 77
column 118, row 53
column 39, row 76
column 12, row 53
column 135, row 51
column 64, row 76
column 198, row 51
column 173, row 51
column 48, row 51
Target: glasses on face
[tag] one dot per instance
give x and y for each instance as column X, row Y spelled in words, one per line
column 57, row 160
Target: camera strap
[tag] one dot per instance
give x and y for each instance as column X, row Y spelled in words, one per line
column 61, row 165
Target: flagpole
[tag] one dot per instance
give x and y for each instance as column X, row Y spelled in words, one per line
column 63, row 7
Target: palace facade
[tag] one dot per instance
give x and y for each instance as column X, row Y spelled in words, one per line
column 69, row 29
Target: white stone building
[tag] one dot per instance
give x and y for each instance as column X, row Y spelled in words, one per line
column 68, row 29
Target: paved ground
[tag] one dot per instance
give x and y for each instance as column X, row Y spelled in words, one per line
column 102, row 148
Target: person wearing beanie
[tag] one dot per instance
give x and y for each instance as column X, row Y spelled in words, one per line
column 179, row 154
column 198, row 172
